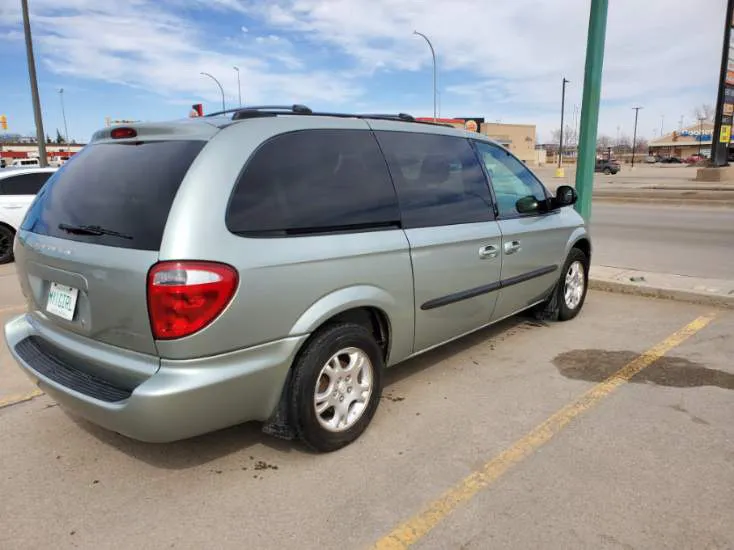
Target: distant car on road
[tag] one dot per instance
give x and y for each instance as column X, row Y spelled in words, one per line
column 18, row 188
column 693, row 159
column 652, row 159
column 607, row 166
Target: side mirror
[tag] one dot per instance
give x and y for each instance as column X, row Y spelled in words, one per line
column 565, row 196
column 527, row 205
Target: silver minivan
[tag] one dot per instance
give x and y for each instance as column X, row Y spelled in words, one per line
column 268, row 264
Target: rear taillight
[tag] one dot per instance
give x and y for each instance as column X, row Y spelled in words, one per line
column 184, row 297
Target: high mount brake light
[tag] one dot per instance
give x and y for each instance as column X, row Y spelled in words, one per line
column 122, row 133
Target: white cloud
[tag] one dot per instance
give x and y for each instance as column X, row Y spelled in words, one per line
column 516, row 53
column 503, row 60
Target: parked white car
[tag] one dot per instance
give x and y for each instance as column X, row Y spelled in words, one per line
column 18, row 188
column 25, row 163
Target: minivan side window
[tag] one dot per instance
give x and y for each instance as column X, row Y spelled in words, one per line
column 510, row 179
column 438, row 178
column 314, row 181
column 23, row 184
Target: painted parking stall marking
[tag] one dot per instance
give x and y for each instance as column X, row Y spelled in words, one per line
column 411, row 531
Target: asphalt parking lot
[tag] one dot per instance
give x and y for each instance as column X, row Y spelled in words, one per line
column 610, row 431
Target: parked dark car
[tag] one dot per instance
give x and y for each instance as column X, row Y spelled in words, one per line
column 607, row 166
column 671, row 160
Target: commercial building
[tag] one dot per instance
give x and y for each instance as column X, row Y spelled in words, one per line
column 685, row 142
column 518, row 138
column 23, row 150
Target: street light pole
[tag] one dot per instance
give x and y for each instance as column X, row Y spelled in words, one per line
column 563, row 109
column 239, row 87
column 433, row 55
column 40, row 135
column 220, row 88
column 63, row 114
column 634, row 135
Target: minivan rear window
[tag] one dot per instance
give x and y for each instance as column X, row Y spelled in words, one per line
column 123, row 191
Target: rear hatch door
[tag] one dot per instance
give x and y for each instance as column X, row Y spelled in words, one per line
column 94, row 231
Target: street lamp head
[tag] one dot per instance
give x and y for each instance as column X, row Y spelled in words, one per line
column 236, row 68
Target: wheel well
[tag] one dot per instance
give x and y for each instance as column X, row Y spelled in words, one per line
column 584, row 246
column 373, row 319
column 3, row 224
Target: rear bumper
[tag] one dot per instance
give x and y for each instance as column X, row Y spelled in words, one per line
column 182, row 399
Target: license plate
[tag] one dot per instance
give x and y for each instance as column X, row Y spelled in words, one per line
column 62, row 300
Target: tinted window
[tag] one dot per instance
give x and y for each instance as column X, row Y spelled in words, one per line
column 438, row 178
column 510, row 178
column 314, row 181
column 122, row 187
column 23, row 184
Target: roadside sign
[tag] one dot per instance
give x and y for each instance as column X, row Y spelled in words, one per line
column 725, row 134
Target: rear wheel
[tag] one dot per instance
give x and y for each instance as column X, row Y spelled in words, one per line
column 607, row 171
column 6, row 244
column 336, row 386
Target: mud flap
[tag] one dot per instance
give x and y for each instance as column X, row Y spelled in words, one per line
column 549, row 310
column 278, row 425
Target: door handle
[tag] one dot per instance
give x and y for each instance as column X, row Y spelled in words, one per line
column 512, row 247
column 487, row 252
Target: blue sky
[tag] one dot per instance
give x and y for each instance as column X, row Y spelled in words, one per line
column 501, row 59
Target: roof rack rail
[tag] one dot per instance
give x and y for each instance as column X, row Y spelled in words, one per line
column 295, row 108
column 258, row 111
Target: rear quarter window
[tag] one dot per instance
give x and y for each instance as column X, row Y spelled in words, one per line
column 125, row 187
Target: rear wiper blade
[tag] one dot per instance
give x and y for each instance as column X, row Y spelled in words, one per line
column 92, row 230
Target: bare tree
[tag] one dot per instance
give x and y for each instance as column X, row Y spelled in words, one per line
column 604, row 142
column 570, row 137
column 623, row 144
column 642, row 145
column 704, row 111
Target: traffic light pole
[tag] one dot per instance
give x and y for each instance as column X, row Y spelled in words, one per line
column 40, row 135
column 590, row 106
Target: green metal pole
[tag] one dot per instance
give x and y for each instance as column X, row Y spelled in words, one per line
column 590, row 106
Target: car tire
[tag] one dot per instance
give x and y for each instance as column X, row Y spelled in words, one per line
column 607, row 171
column 6, row 244
column 572, row 285
column 336, row 386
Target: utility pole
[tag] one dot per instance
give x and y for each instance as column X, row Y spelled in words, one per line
column 634, row 135
column 662, row 121
column 220, row 88
column 239, row 87
column 63, row 114
column 433, row 55
column 40, row 135
column 590, row 106
column 559, row 172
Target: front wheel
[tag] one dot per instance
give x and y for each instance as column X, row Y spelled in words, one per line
column 607, row 171
column 336, row 386
column 6, row 244
column 573, row 285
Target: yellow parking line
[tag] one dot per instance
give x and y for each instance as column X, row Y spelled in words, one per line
column 412, row 530
column 15, row 399
column 12, row 309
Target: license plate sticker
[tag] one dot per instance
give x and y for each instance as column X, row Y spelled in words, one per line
column 62, row 300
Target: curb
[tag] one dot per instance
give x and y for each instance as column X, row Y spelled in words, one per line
column 726, row 203
column 689, row 296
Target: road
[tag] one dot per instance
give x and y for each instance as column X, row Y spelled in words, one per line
column 693, row 241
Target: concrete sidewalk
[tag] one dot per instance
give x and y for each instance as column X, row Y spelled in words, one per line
column 716, row 292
